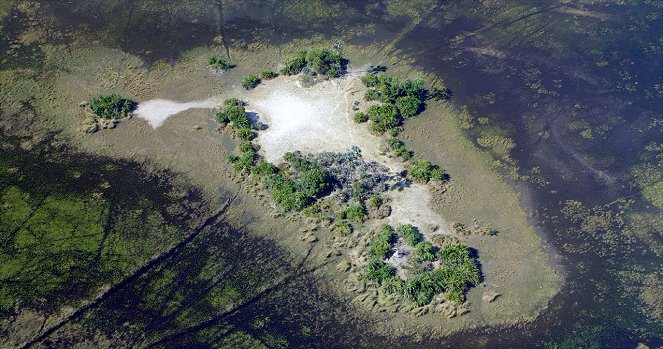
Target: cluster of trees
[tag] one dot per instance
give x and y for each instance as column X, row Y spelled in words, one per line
column 306, row 182
column 458, row 268
column 234, row 113
column 323, row 62
column 401, row 100
column 111, row 106
column 355, row 213
column 423, row 171
column 218, row 63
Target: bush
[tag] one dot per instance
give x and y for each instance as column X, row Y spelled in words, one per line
column 250, row 81
column 408, row 106
column 423, row 171
column 218, row 63
column 370, row 80
column 382, row 244
column 268, row 74
column 265, row 168
column 361, row 117
column 410, row 234
column 424, row 250
column 325, row 62
column 294, row 66
column 372, row 95
column 246, row 134
column 111, row 106
column 284, row 192
column 230, row 102
column 235, row 114
column 384, row 117
column 356, row 213
column 379, row 271
column 399, row 148
column 375, row 201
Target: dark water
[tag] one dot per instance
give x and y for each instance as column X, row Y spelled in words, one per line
column 596, row 64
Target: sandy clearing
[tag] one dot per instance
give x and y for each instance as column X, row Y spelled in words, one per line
column 412, row 205
column 313, row 119
column 157, row 111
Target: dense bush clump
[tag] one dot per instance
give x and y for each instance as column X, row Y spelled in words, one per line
column 234, row 113
column 250, row 81
column 321, row 62
column 410, row 234
column 384, row 117
column 356, row 213
column 111, row 106
column 382, row 244
column 423, row 171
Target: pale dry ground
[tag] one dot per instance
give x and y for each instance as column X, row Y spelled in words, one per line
column 514, row 263
column 157, row 111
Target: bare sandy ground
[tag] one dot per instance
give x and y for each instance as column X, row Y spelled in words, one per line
column 313, row 119
column 156, row 111
column 412, row 205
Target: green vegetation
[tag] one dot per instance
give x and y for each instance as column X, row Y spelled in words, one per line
column 218, row 63
column 111, row 106
column 401, row 100
column 423, row 171
column 250, row 81
column 384, row 117
column 361, row 117
column 356, row 213
column 398, row 147
column 246, row 134
column 458, row 268
column 382, row 244
column 321, row 61
column 307, row 182
column 410, row 234
column 64, row 234
column 235, row 113
column 268, row 74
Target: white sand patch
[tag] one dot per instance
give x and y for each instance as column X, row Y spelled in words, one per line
column 156, row 111
column 412, row 205
column 312, row 119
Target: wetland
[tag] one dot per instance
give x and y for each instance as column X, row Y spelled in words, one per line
column 155, row 233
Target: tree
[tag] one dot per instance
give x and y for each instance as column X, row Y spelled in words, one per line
column 361, row 117
column 111, row 106
column 410, row 234
column 423, row 171
column 408, row 106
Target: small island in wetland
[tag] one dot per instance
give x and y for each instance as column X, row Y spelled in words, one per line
column 328, row 174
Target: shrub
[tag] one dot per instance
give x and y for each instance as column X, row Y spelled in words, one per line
column 410, row 234
column 218, row 63
column 235, row 114
column 294, row 66
column 372, row 95
column 408, row 106
column 325, row 62
column 250, row 81
column 423, row 171
column 246, row 146
column 111, row 106
column 384, row 117
column 246, row 134
column 379, row 271
column 375, row 201
column 265, row 168
column 356, row 213
column 284, row 192
column 361, row 117
column 424, row 250
column 370, row 80
column 230, row 102
column 382, row 244
column 268, row 74
column 399, row 148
